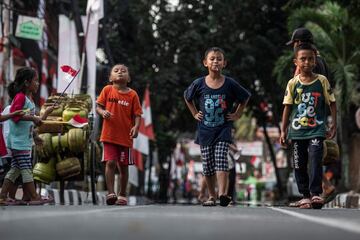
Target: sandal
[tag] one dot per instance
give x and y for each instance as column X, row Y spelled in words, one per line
column 201, row 200
column 111, row 199
column 317, row 202
column 224, row 200
column 8, row 202
column 35, row 202
column 305, row 203
column 209, row 203
column 294, row 204
column 121, row 200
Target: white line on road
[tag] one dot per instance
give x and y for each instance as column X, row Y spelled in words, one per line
column 340, row 223
column 41, row 214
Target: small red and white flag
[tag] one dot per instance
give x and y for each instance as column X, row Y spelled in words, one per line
column 71, row 73
column 78, row 121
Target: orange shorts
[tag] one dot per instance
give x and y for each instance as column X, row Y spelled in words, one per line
column 121, row 154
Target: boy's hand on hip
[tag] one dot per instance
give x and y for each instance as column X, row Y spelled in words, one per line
column 198, row 116
column 233, row 116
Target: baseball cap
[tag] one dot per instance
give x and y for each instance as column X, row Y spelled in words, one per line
column 302, row 34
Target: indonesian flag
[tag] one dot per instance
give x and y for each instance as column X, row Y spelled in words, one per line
column 71, row 73
column 146, row 132
column 78, row 121
column 44, row 93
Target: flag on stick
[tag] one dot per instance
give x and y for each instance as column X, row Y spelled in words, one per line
column 72, row 73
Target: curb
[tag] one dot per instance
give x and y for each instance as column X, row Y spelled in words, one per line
column 75, row 197
column 345, row 200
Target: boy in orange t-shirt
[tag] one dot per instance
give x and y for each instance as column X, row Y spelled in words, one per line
column 120, row 107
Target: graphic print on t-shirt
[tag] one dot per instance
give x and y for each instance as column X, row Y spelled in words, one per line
column 215, row 106
column 306, row 109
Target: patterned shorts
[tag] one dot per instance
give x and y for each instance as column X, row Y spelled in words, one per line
column 21, row 159
column 215, row 158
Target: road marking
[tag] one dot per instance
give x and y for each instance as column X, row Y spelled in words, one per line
column 7, row 216
column 340, row 223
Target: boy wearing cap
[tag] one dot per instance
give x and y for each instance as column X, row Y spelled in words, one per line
column 303, row 121
column 303, row 35
column 299, row 36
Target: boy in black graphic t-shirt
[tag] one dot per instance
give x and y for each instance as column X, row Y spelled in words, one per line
column 216, row 95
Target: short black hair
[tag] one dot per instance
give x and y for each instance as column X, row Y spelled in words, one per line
column 214, row 49
column 304, row 46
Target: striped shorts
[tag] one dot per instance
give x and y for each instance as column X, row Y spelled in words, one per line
column 21, row 159
column 214, row 158
column 21, row 164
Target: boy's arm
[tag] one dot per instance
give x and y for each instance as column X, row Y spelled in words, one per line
column 100, row 109
column 284, row 124
column 135, row 130
column 196, row 114
column 238, row 112
column 332, row 131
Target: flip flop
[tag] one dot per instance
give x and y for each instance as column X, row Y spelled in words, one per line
column 224, row 200
column 8, row 202
column 317, row 202
column 111, row 199
column 121, row 200
column 209, row 203
column 305, row 203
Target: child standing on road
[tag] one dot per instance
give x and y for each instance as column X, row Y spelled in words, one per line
column 299, row 36
column 20, row 138
column 216, row 95
column 120, row 108
column 305, row 102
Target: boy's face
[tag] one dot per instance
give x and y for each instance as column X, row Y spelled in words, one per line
column 119, row 74
column 214, row 61
column 305, row 60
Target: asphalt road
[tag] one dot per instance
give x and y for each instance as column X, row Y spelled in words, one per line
column 176, row 222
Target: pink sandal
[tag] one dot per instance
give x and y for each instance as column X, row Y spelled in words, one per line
column 305, row 203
